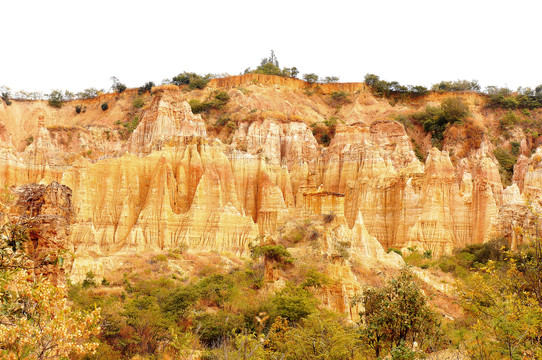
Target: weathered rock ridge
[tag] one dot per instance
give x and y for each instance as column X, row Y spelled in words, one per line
column 169, row 185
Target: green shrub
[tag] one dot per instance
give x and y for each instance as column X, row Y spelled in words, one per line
column 215, row 329
column 145, row 88
column 78, row 109
column 277, row 253
column 396, row 313
column 310, row 78
column 340, row 97
column 393, row 88
column 181, row 300
column 193, row 80
column 131, row 125
column 506, row 99
column 508, row 119
column 89, row 93
column 315, row 279
column 219, row 100
column 222, row 120
column 216, row 289
column 117, row 85
column 8, row 102
column 515, row 148
column 447, row 265
column 56, row 98
column 506, row 164
column 436, row 119
column 270, row 66
column 458, row 85
column 89, row 280
column 294, row 303
column 331, row 79
column 397, row 251
column 105, row 106
column 138, row 102
column 198, row 106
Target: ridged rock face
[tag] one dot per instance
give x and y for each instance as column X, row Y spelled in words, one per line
column 169, row 120
column 169, row 185
column 47, row 213
column 519, row 216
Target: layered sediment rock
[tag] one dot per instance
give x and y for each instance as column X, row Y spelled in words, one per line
column 169, row 185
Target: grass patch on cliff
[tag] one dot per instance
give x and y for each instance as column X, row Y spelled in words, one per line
column 436, row 119
column 506, row 164
column 324, row 132
column 463, row 260
column 216, row 102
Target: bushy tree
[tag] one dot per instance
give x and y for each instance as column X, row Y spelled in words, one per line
column 392, row 88
column 5, row 93
column 397, row 313
column 193, row 80
column 36, row 321
column 310, row 78
column 56, row 98
column 117, row 85
column 277, row 253
column 321, row 335
column 458, row 85
column 331, row 79
column 270, row 66
column 436, row 119
column 504, row 316
column 89, row 93
column 294, row 303
column 145, row 88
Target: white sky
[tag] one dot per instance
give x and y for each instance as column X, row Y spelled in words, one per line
column 80, row 44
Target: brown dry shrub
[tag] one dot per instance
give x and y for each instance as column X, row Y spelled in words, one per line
column 277, row 115
column 473, row 136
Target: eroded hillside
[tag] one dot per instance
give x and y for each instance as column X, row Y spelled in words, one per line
column 147, row 174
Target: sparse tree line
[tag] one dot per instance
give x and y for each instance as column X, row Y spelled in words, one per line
column 499, row 97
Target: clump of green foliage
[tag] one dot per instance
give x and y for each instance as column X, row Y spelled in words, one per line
column 523, row 98
column 340, row 98
column 277, row 253
column 458, row 85
column 89, row 93
column 117, row 85
column 5, row 93
column 145, row 88
column 217, row 102
column 270, row 66
column 104, row 106
column 396, row 314
column 294, row 303
column 193, row 80
column 502, row 302
column 506, row 164
column 393, row 88
column 315, row 279
column 310, row 78
column 324, row 132
column 138, row 102
column 437, row 119
column 56, row 98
